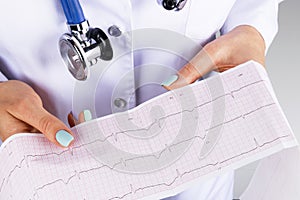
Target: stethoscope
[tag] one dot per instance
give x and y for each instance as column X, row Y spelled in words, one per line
column 85, row 46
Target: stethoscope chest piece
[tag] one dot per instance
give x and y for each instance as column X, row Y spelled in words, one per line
column 84, row 47
column 73, row 56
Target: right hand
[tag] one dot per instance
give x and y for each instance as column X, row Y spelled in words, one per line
column 21, row 110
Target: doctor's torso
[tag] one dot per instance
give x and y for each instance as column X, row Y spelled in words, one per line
column 29, row 47
column 150, row 43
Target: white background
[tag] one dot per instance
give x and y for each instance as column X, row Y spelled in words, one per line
column 283, row 67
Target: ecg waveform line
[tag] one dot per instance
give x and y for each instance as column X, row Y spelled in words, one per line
column 134, row 189
column 182, row 111
column 138, row 157
column 76, row 174
column 197, row 169
column 152, row 124
column 146, row 129
column 159, row 154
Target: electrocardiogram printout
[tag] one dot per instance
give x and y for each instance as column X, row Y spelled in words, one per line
column 157, row 149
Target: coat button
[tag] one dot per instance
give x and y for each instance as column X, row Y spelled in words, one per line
column 114, row 31
column 120, row 103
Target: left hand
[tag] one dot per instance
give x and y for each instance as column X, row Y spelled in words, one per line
column 242, row 44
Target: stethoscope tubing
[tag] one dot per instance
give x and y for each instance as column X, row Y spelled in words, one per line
column 73, row 11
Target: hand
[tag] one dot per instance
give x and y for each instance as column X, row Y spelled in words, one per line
column 242, row 44
column 21, row 110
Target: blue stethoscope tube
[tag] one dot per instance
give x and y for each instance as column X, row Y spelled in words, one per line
column 73, row 11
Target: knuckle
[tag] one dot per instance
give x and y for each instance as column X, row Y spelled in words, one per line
column 21, row 103
column 45, row 124
column 24, row 103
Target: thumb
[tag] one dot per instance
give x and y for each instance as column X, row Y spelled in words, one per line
column 54, row 129
column 200, row 65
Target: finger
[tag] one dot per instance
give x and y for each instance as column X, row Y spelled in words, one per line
column 85, row 116
column 71, row 120
column 200, row 65
column 36, row 116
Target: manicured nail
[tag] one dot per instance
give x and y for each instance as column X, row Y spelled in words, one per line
column 64, row 138
column 87, row 115
column 169, row 81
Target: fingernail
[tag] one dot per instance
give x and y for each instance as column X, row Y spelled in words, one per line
column 169, row 81
column 87, row 115
column 64, row 138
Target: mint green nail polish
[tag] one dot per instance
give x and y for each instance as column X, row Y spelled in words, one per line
column 64, row 138
column 169, row 81
column 87, row 115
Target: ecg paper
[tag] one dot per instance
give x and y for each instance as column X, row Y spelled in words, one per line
column 157, row 149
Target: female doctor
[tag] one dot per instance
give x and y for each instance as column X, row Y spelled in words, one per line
column 37, row 91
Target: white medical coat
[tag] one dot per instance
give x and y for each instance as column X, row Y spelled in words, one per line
column 29, row 52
